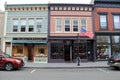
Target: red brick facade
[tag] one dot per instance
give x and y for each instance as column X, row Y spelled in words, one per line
column 109, row 12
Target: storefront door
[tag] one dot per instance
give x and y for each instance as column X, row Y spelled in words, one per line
column 67, row 53
column 30, row 53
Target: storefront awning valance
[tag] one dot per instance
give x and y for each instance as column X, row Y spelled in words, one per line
column 30, row 41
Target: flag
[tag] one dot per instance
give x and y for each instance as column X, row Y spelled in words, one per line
column 89, row 34
column 83, row 30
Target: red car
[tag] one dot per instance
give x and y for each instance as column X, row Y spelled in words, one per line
column 8, row 63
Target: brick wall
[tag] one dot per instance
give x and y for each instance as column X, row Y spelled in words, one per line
column 109, row 12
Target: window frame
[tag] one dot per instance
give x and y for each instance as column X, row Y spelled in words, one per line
column 83, row 25
column 114, row 21
column 67, row 25
column 58, row 26
column 23, row 27
column 39, row 27
column 103, row 27
column 75, row 26
column 31, row 26
column 15, row 27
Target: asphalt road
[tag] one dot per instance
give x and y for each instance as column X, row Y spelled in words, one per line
column 61, row 74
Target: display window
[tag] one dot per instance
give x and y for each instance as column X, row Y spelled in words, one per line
column 57, row 51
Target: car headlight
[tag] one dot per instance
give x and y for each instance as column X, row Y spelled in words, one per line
column 18, row 61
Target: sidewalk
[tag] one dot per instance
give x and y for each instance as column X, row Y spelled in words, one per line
column 97, row 64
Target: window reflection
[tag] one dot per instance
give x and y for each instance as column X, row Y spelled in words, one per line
column 115, row 39
column 103, row 51
column 103, row 39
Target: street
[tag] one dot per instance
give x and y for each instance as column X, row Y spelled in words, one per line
column 61, row 74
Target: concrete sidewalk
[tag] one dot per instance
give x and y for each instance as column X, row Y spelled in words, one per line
column 97, row 64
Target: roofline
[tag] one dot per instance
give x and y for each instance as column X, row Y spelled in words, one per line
column 25, row 5
column 69, row 4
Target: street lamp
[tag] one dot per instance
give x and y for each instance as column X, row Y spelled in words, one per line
column 78, row 55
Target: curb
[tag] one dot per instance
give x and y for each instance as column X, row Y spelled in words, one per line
column 67, row 67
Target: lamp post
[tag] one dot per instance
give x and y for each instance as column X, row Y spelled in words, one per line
column 78, row 55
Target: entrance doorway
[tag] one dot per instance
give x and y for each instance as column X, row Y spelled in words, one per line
column 67, row 53
column 30, row 53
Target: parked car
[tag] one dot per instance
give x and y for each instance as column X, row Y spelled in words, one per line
column 9, row 63
column 114, row 61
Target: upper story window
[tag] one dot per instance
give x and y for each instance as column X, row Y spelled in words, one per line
column 67, row 25
column 83, row 25
column 39, row 24
column 23, row 25
column 103, row 21
column 116, row 21
column 31, row 25
column 15, row 25
column 75, row 25
column 58, row 25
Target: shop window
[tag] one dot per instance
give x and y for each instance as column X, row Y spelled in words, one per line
column 20, row 50
column 103, row 39
column 56, row 51
column 116, row 48
column 80, row 48
column 103, row 52
column 115, row 39
column 41, row 50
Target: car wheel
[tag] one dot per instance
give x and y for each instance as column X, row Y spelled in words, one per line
column 9, row 66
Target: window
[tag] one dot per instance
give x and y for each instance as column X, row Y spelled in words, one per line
column 58, row 25
column 41, row 50
column 103, row 47
column 57, row 50
column 75, row 25
column 23, row 25
column 19, row 50
column 31, row 25
column 103, row 22
column 115, row 39
column 39, row 25
column 15, row 25
column 116, row 22
column 83, row 25
column 103, row 39
column 67, row 25
column 103, row 51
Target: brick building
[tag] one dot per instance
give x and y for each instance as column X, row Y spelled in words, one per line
column 107, row 27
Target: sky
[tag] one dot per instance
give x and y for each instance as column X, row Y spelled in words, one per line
column 40, row 2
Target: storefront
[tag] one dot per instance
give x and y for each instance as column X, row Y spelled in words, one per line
column 30, row 49
column 66, row 50
column 107, row 45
